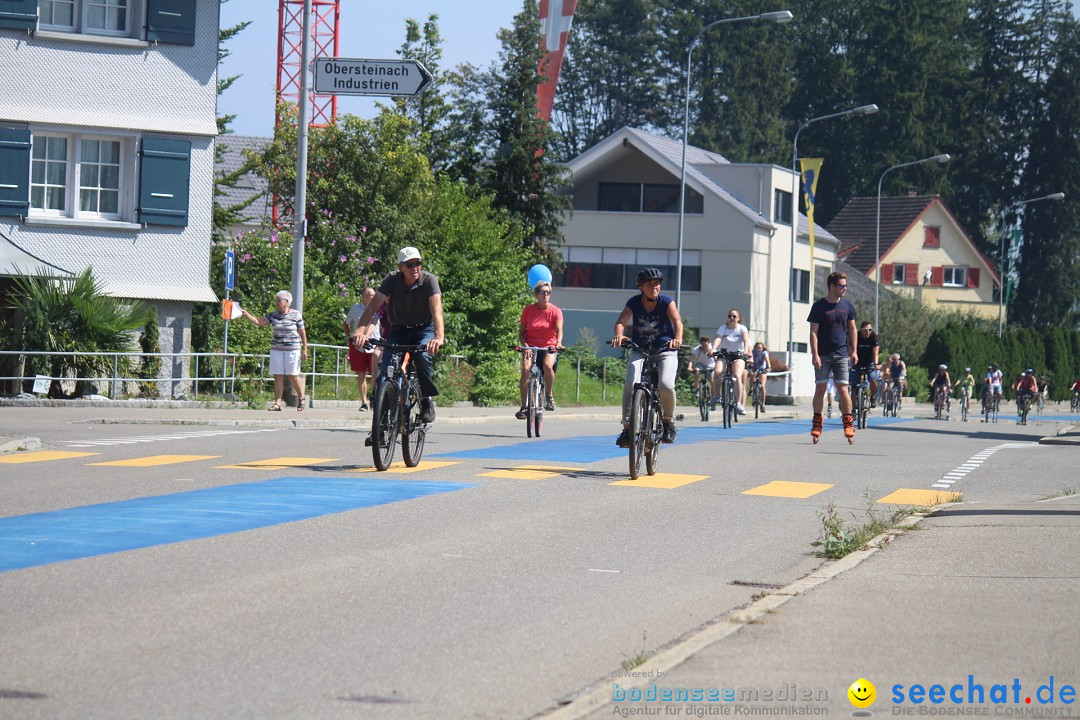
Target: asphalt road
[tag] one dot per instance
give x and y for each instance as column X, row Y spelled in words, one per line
column 269, row 572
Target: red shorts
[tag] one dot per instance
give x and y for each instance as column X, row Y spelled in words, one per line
column 359, row 361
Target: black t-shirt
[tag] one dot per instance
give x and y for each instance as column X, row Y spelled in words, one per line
column 409, row 305
column 865, row 346
column 832, row 320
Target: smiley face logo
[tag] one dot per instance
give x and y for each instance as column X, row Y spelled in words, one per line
column 862, row 693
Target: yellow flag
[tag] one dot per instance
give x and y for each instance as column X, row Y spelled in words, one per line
column 811, row 168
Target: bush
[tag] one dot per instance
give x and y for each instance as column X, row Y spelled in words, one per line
column 918, row 383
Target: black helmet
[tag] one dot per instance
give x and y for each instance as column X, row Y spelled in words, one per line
column 649, row 273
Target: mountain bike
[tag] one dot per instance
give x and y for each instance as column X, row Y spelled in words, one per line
column 646, row 416
column 1023, row 407
column 757, row 395
column 1074, row 406
column 990, row 401
column 965, row 402
column 396, row 408
column 861, row 400
column 728, row 404
column 941, row 402
column 535, row 391
column 892, row 397
column 704, row 394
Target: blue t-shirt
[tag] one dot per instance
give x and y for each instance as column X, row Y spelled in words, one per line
column 832, row 320
column 651, row 329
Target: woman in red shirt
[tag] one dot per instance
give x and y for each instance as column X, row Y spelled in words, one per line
column 541, row 325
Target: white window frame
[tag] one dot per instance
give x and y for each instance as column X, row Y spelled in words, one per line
column 45, row 184
column 799, row 278
column 949, row 276
column 134, row 10
column 73, row 175
column 782, row 206
column 899, row 274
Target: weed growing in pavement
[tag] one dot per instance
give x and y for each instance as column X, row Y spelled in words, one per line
column 1065, row 491
column 840, row 537
column 641, row 656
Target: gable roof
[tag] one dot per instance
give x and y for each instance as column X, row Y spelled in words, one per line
column 668, row 154
column 248, row 185
column 856, row 227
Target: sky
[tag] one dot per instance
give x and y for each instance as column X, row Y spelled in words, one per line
column 367, row 30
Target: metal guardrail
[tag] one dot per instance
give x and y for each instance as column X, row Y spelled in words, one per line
column 196, row 363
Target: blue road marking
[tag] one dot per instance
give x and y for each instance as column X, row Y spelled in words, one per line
column 81, row 532
column 602, row 447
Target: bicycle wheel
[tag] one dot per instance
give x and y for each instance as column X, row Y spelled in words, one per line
column 862, row 405
column 384, row 424
column 896, row 401
column 703, row 401
column 654, row 432
column 727, row 398
column 532, row 407
column 538, row 403
column 412, row 440
column 639, row 430
column 963, row 408
column 758, row 404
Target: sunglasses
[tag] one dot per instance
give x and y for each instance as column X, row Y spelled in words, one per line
column 735, row 317
column 842, row 287
column 542, row 292
column 412, row 264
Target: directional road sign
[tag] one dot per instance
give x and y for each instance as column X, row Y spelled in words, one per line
column 353, row 76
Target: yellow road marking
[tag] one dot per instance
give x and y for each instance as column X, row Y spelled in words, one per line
column 785, row 488
column 280, row 463
column 42, row 456
column 926, row 498
column 401, row 468
column 530, row 472
column 155, row 460
column 664, row 481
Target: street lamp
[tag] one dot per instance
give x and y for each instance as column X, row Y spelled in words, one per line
column 944, row 158
column 779, row 16
column 861, row 110
column 1004, row 219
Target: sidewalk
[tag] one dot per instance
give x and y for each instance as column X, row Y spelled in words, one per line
column 982, row 590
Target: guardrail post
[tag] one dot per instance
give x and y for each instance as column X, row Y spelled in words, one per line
column 577, row 391
column 115, row 374
column 603, row 383
column 311, row 393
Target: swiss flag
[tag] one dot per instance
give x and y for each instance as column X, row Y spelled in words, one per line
column 555, row 19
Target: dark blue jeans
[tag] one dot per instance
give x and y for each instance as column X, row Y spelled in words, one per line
column 401, row 335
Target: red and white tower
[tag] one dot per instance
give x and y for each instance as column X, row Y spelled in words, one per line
column 325, row 26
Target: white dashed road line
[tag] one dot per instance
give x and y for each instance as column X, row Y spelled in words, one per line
column 976, row 460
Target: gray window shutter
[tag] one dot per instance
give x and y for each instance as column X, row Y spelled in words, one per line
column 171, row 21
column 18, row 14
column 14, row 171
column 164, row 169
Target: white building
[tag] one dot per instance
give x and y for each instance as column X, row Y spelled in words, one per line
column 107, row 128
column 737, row 242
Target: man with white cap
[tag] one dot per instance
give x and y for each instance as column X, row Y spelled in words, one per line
column 414, row 307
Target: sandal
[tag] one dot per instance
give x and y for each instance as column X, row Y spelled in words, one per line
column 276, row 407
column 300, row 405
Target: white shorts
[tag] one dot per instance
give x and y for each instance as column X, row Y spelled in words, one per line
column 284, row 362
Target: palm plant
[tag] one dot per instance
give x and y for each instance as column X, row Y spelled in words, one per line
column 72, row 315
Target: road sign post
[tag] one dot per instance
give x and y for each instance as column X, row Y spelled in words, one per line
column 230, row 282
column 356, row 76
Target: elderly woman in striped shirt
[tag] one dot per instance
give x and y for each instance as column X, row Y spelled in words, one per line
column 287, row 348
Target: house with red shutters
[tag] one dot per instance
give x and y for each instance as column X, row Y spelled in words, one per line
column 924, row 252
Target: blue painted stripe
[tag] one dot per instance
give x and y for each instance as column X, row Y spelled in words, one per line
column 81, row 532
column 595, row 448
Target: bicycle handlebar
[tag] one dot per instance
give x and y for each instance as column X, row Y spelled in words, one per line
column 628, row 343
column 523, row 348
column 730, row 354
column 393, row 347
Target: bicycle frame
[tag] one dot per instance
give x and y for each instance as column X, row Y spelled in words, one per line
column 646, row 415
column 535, row 390
column 727, row 385
column 396, row 408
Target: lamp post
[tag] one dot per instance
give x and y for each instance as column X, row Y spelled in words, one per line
column 861, row 110
column 943, row 158
column 1004, row 220
column 780, row 16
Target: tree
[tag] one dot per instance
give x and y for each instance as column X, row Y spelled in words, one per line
column 522, row 175
column 427, row 110
column 226, row 216
column 612, row 75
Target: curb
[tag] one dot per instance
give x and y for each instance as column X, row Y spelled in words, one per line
column 20, row 444
column 1068, row 435
column 729, row 623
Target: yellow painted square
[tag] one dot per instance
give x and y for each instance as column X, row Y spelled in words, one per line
column 663, row 481
column 788, row 489
column 927, row 498
column 41, row 456
column 401, row 468
column 155, row 460
column 530, row 472
column 280, row 463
